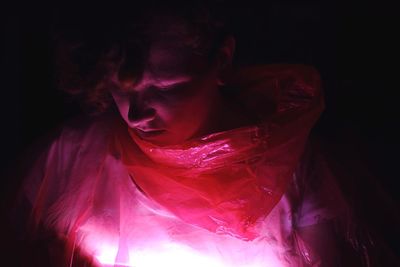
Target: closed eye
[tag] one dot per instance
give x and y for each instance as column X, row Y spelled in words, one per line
column 171, row 87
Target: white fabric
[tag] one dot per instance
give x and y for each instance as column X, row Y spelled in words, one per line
column 128, row 229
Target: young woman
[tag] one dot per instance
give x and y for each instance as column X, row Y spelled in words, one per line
column 188, row 160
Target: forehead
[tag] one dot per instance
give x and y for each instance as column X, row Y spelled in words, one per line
column 168, row 58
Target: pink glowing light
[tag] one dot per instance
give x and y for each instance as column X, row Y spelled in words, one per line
column 240, row 177
column 172, row 255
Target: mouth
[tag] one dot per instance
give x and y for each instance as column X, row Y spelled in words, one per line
column 149, row 132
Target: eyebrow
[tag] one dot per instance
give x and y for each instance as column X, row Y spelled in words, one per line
column 174, row 80
column 168, row 69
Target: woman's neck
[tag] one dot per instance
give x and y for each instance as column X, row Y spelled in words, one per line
column 225, row 116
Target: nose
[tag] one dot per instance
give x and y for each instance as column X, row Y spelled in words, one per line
column 140, row 114
column 141, row 95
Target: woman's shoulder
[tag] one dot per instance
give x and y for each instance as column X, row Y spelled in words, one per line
column 73, row 136
column 85, row 128
column 314, row 194
column 79, row 140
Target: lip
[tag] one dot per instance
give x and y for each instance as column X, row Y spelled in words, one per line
column 149, row 132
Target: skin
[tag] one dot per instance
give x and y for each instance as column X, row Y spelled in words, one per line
column 177, row 98
column 177, row 95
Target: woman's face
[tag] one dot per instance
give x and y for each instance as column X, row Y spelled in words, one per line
column 175, row 98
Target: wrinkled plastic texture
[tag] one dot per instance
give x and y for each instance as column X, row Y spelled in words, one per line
column 219, row 200
column 225, row 182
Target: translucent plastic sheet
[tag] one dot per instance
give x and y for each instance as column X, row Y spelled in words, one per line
column 225, row 182
column 211, row 198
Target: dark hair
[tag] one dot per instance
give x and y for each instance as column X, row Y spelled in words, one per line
column 94, row 43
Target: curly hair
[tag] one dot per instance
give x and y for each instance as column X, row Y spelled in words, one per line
column 95, row 43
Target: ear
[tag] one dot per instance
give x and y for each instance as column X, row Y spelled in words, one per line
column 226, row 52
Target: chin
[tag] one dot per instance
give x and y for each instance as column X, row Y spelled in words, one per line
column 161, row 139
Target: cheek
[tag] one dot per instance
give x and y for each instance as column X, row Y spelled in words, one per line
column 174, row 113
column 123, row 104
column 185, row 114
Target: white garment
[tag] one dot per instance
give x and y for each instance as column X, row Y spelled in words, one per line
column 83, row 189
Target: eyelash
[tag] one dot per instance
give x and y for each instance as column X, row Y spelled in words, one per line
column 165, row 88
column 170, row 87
column 161, row 89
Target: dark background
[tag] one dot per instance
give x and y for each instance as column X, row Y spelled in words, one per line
column 353, row 45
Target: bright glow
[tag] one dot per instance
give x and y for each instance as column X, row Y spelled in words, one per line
column 174, row 255
column 168, row 255
column 106, row 254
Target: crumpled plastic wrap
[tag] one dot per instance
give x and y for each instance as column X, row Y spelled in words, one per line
column 227, row 181
column 209, row 200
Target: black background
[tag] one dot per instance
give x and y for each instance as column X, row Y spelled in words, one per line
column 353, row 45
